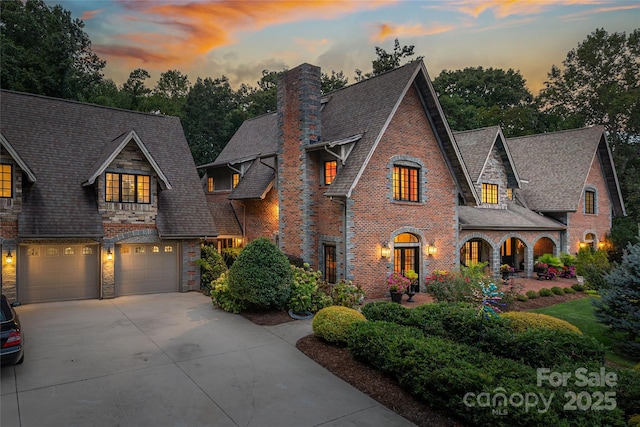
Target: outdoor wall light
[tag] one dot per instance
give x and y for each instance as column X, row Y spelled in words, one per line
column 601, row 245
column 9, row 257
column 582, row 244
column 109, row 254
column 385, row 252
column 432, row 249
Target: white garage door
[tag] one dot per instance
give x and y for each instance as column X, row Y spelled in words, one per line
column 58, row 273
column 146, row 268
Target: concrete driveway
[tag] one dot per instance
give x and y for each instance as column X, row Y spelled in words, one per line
column 171, row 360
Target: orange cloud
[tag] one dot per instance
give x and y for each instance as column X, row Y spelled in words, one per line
column 191, row 29
column 504, row 8
column 386, row 30
column 90, row 14
column 582, row 14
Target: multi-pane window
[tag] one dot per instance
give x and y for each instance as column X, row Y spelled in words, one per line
column 330, row 170
column 490, row 193
column 589, row 202
column 128, row 188
column 210, row 186
column 510, row 193
column 235, row 179
column 330, row 264
column 471, row 252
column 405, row 183
column 6, row 180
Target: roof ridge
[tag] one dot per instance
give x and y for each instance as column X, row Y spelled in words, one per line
column 582, row 129
column 83, row 104
column 475, row 130
column 414, row 62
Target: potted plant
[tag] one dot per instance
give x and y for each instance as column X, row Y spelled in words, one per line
column 413, row 284
column 397, row 285
column 506, row 270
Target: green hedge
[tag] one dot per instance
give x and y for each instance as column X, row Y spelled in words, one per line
column 452, row 375
column 333, row 323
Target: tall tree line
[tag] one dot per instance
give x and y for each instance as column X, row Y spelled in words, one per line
column 45, row 51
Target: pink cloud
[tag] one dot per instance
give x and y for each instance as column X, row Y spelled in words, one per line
column 386, row 31
column 90, row 14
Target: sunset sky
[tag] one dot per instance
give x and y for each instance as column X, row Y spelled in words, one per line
column 239, row 39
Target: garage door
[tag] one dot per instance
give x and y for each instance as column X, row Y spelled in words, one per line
column 58, row 273
column 146, row 268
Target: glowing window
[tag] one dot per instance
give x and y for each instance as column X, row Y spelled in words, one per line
column 210, row 186
column 330, row 170
column 235, row 179
column 127, row 188
column 490, row 193
column 510, row 193
column 405, row 183
column 87, row 250
column 139, row 249
column 155, row 249
column 6, row 181
column 69, row 251
column 51, row 252
column 168, row 248
column 590, row 202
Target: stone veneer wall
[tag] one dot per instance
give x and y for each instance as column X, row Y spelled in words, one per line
column 494, row 173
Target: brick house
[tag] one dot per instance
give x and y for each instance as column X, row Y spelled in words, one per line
column 96, row 202
column 369, row 179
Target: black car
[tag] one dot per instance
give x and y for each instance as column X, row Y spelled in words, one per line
column 12, row 340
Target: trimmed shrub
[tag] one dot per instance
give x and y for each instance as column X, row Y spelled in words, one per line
column 333, row 323
column 524, row 321
column 532, row 294
column 557, row 290
column 387, row 311
column 521, row 297
column 545, row 292
column 261, row 276
column 212, row 265
column 578, row 287
column 569, row 291
column 222, row 298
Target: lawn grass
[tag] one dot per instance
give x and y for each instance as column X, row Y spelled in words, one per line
column 579, row 312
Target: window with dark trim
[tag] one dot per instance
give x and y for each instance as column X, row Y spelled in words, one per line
column 330, row 171
column 589, row 202
column 235, row 179
column 210, row 186
column 330, row 264
column 510, row 193
column 6, row 181
column 127, row 188
column 490, row 193
column 405, row 183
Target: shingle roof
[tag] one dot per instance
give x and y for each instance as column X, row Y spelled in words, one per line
column 62, row 141
column 227, row 223
column 513, row 218
column 476, row 146
column 256, row 181
column 556, row 166
column 363, row 108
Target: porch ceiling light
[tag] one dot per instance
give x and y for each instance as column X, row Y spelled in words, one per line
column 109, row 254
column 9, row 257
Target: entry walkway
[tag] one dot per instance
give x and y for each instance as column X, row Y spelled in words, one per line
column 171, row 360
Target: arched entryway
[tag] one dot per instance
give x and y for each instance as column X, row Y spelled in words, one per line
column 406, row 253
column 475, row 250
column 543, row 245
column 512, row 253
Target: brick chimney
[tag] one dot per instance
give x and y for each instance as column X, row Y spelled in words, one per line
column 298, row 126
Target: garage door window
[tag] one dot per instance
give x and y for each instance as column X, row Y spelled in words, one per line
column 155, row 249
column 168, row 248
column 87, row 250
column 69, row 251
column 52, row 252
column 139, row 249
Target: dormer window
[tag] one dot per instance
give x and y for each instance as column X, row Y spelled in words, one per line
column 6, row 181
column 330, row 171
column 235, row 179
column 510, row 193
column 127, row 188
column 490, row 193
column 210, row 185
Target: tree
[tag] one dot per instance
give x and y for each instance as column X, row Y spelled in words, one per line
column 211, row 117
column 332, row 82
column 600, row 85
column 264, row 98
column 386, row 61
column 170, row 93
column 619, row 307
column 135, row 91
column 476, row 97
column 45, row 51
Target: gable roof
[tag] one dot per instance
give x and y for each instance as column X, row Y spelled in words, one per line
column 112, row 150
column 476, row 146
column 367, row 108
column 555, row 166
column 358, row 113
column 513, row 218
column 16, row 158
column 65, row 143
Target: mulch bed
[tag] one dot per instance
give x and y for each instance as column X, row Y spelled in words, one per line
column 374, row 383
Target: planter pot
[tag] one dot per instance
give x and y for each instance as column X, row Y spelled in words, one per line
column 505, row 275
column 396, row 296
column 413, row 289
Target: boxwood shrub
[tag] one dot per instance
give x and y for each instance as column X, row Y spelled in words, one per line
column 523, row 321
column 447, row 374
column 545, row 292
column 333, row 323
